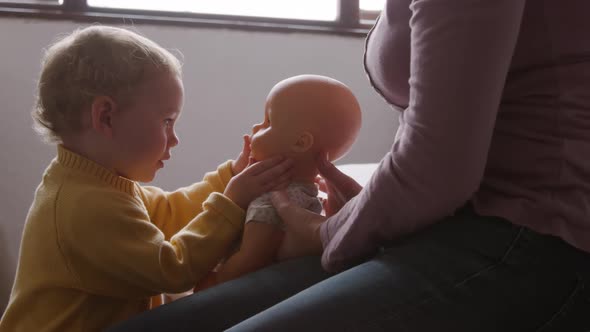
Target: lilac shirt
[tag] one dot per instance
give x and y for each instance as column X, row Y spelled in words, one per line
column 496, row 109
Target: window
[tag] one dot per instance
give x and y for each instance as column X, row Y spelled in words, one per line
column 371, row 5
column 327, row 16
column 324, row 10
column 54, row 2
column 370, row 9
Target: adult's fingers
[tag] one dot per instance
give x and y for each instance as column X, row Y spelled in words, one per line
column 340, row 182
column 294, row 216
column 321, row 184
column 289, row 212
column 301, row 228
column 280, row 200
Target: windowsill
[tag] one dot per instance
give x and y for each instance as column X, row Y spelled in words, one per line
column 178, row 19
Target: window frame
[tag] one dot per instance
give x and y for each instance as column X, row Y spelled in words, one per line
column 350, row 20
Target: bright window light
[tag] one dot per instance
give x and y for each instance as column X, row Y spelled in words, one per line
column 371, row 5
column 36, row 2
column 320, row 10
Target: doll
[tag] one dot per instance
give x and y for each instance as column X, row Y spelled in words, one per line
column 304, row 116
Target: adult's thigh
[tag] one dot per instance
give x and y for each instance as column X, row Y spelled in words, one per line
column 225, row 305
column 466, row 273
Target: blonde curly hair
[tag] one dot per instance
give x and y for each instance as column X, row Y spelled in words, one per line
column 90, row 62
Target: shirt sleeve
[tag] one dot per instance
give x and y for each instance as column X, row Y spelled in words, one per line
column 261, row 210
column 113, row 249
column 170, row 211
column 460, row 55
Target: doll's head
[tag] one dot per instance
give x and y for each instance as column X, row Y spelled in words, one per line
column 306, row 115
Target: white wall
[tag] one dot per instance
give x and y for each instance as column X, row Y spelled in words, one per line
column 227, row 76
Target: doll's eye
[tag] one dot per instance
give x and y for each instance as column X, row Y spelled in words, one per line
column 168, row 122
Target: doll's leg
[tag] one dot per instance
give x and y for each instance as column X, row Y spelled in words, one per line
column 467, row 273
column 222, row 306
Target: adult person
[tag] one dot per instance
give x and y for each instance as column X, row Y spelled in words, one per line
column 478, row 217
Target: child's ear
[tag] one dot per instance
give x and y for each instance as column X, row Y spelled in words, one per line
column 102, row 111
column 303, row 143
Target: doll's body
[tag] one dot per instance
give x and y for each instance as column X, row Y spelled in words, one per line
column 304, row 195
column 304, row 116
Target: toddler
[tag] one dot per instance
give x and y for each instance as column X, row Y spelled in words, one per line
column 97, row 244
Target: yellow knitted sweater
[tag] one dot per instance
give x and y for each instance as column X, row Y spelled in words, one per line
column 96, row 246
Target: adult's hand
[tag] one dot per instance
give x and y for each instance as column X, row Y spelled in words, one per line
column 339, row 187
column 302, row 228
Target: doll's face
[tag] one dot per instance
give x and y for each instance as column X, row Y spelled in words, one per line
column 273, row 136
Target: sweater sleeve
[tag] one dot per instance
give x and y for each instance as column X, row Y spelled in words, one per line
column 460, row 55
column 170, row 211
column 113, row 249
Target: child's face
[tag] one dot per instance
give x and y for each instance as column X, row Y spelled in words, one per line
column 273, row 136
column 144, row 132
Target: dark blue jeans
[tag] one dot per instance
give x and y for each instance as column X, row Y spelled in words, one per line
column 465, row 273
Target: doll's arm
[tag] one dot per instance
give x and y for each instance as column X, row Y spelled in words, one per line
column 259, row 247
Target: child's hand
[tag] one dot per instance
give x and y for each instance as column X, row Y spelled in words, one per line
column 238, row 165
column 258, row 178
